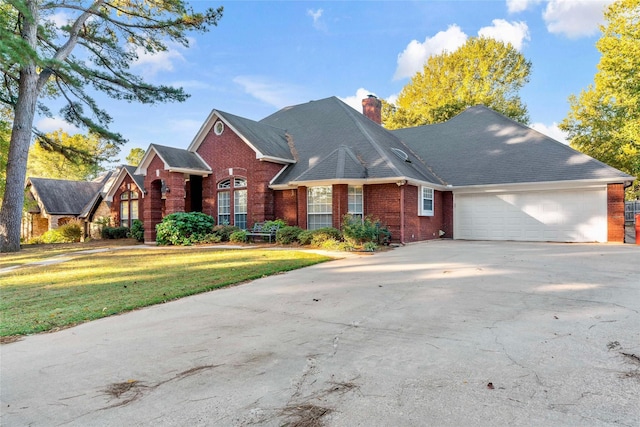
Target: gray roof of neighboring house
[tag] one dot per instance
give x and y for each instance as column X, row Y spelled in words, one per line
column 480, row 146
column 268, row 140
column 319, row 128
column 139, row 179
column 178, row 158
column 63, row 197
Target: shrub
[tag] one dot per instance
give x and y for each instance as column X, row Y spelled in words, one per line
column 322, row 234
column 52, row 236
column 239, row 236
column 178, row 228
column 114, row 232
column 359, row 230
column 280, row 223
column 137, row 230
column 369, row 246
column 224, row 231
column 287, row 235
column 305, row 237
column 71, row 231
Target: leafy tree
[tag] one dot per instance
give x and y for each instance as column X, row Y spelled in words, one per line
column 604, row 120
column 135, row 156
column 61, row 161
column 482, row 71
column 94, row 50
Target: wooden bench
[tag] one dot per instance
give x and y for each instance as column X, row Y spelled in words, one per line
column 259, row 230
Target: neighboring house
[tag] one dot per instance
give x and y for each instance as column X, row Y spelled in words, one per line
column 54, row 202
column 479, row 175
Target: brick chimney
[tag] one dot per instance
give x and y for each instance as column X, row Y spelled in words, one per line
column 372, row 108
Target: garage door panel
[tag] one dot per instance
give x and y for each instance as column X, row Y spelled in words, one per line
column 563, row 216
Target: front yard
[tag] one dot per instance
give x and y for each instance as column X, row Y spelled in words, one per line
column 90, row 286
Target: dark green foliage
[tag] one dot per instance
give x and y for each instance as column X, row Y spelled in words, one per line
column 183, row 228
column 239, row 236
column 114, row 232
column 224, row 231
column 359, row 230
column 71, row 232
column 305, row 237
column 137, row 230
column 287, row 235
column 279, row 223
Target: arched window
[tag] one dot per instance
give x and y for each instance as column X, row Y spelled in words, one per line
column 128, row 208
column 239, row 190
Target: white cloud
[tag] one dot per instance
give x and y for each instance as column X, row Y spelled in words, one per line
column 552, row 131
column 508, row 32
column 412, row 59
column 192, row 84
column 316, row 15
column 273, row 93
column 355, row 101
column 50, row 124
column 152, row 63
column 574, row 18
column 515, row 6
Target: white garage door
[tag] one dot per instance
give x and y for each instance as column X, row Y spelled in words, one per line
column 548, row 216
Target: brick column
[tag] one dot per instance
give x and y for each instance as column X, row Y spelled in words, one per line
column 302, row 207
column 615, row 213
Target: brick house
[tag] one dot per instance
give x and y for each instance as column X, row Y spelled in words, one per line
column 479, row 175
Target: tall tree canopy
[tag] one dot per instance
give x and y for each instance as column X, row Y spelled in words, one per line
column 482, row 71
column 604, row 120
column 63, row 164
column 92, row 51
column 135, row 156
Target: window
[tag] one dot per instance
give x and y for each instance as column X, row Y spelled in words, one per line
column 355, row 202
column 128, row 208
column 224, row 208
column 218, row 128
column 319, row 203
column 426, row 201
column 240, row 209
column 239, row 213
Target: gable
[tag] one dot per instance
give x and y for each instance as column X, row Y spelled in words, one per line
column 63, row 197
column 174, row 160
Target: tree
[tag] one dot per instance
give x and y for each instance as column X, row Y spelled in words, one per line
column 42, row 60
column 5, row 135
column 604, row 120
column 135, row 156
column 482, row 71
column 65, row 163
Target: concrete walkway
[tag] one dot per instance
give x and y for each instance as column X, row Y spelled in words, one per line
column 445, row 333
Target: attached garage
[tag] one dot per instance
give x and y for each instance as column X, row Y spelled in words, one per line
column 577, row 215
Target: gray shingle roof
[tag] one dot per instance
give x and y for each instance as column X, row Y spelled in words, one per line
column 139, row 179
column 178, row 158
column 319, row 128
column 480, row 147
column 63, row 197
column 268, row 140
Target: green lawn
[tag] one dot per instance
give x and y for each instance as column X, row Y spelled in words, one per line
column 41, row 298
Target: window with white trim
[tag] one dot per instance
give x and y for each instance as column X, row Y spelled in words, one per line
column 240, row 209
column 319, row 207
column 128, row 208
column 426, row 201
column 237, row 216
column 356, row 206
column 224, row 208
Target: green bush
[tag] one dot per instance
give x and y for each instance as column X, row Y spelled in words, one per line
column 183, row 228
column 239, row 236
column 359, row 230
column 224, row 231
column 322, row 234
column 71, row 231
column 114, row 232
column 280, row 223
column 52, row 236
column 370, row 246
column 137, row 230
column 287, row 235
column 305, row 237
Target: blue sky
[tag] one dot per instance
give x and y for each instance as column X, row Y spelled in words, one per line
column 266, row 55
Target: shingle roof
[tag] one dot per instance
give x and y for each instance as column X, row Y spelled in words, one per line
column 318, row 128
column 480, row 147
column 268, row 140
column 63, row 197
column 178, row 158
column 139, row 179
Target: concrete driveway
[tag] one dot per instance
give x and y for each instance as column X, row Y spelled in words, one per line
column 440, row 333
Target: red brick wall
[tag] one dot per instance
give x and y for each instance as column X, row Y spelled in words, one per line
column 382, row 201
column 340, row 196
column 302, row 207
column 615, row 213
column 127, row 184
column 286, row 205
column 229, row 151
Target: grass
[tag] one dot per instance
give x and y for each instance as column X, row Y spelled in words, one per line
column 37, row 299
